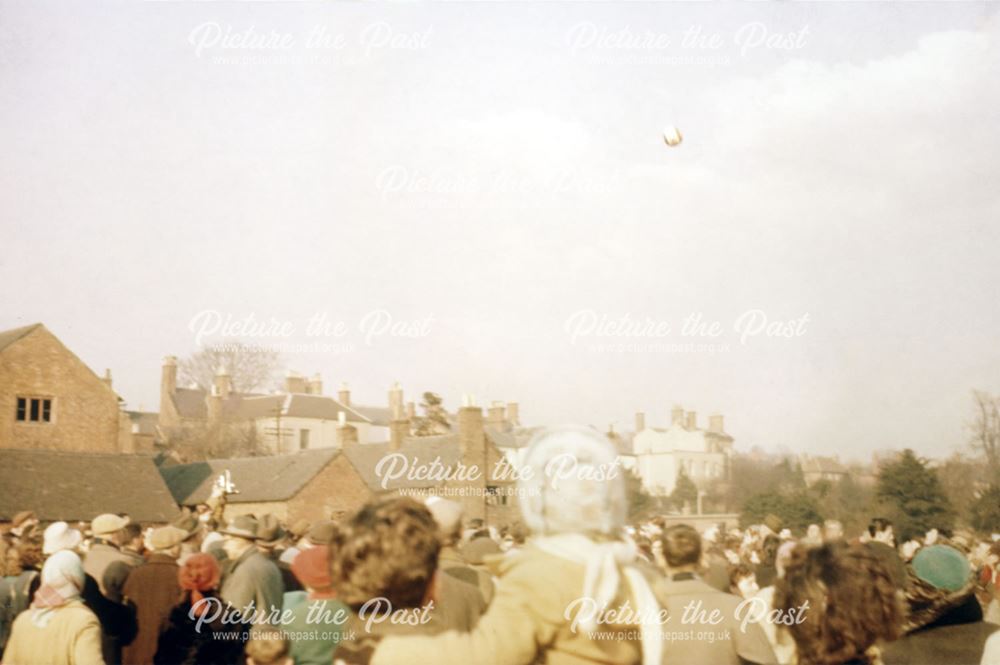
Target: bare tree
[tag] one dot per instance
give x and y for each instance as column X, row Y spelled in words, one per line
column 435, row 418
column 250, row 367
column 985, row 428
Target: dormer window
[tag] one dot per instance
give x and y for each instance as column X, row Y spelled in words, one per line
column 34, row 409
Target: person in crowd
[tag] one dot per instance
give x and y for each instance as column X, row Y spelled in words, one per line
column 317, row 619
column 194, row 632
column 58, row 629
column 117, row 619
column 682, row 587
column 272, row 540
column 106, row 550
column 578, row 553
column 833, row 531
column 777, row 634
column 852, row 604
column 188, row 522
column 742, row 581
column 448, row 516
column 390, row 549
column 252, row 583
column 882, row 542
column 132, row 543
column 23, row 525
column 765, row 571
column 153, row 588
column 270, row 648
column 943, row 620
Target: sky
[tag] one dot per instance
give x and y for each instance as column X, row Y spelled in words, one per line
column 476, row 198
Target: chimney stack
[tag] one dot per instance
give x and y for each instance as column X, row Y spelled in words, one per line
column 222, row 383
column 471, row 436
column 411, row 411
column 513, row 414
column 640, row 422
column 715, row 423
column 396, row 398
column 107, row 377
column 294, row 382
column 344, row 395
column 496, row 414
column 315, row 386
column 213, row 404
column 347, row 435
column 677, row 416
column 692, row 420
column 168, row 386
column 399, row 429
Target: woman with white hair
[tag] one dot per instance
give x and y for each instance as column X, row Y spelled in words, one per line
column 556, row 600
column 57, row 629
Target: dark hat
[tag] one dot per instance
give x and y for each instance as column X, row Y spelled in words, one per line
column 242, row 526
column 322, row 533
column 269, row 530
column 299, row 529
column 186, row 522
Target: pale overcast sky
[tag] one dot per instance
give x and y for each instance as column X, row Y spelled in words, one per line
column 500, row 168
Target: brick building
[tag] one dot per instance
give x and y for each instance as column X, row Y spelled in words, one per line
column 50, row 399
column 330, row 483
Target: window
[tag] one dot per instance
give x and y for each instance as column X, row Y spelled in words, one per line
column 303, row 439
column 34, row 409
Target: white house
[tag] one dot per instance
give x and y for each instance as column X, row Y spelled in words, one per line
column 657, row 455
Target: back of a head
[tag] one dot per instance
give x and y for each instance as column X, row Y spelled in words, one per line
column 575, row 484
column 389, row 549
column 878, row 525
column 852, row 602
column 681, row 546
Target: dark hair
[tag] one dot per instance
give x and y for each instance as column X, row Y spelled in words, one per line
column 681, row 546
column 852, row 602
column 131, row 531
column 877, row 525
column 388, row 548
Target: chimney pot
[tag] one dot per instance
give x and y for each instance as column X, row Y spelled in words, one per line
column 640, row 421
column 344, row 395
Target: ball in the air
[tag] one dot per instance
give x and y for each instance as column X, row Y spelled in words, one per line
column 672, row 136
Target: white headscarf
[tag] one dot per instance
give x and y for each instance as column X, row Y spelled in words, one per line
column 575, row 490
column 62, row 581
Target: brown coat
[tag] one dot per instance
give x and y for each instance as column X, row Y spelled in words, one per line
column 154, row 590
column 525, row 621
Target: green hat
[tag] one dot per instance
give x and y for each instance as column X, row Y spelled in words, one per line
column 942, row 566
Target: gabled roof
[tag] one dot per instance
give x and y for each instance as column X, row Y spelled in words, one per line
column 269, row 478
column 8, row 337
column 324, row 407
column 377, row 415
column 417, row 450
column 516, row 438
column 60, row 485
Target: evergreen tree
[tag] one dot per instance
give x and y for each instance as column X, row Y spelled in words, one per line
column 685, row 491
column 912, row 495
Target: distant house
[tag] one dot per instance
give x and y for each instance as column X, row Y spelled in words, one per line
column 300, row 417
column 332, row 482
column 817, row 468
column 76, row 486
column 50, row 399
column 658, row 455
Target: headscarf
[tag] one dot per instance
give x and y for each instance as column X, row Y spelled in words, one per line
column 62, row 582
column 573, row 499
column 199, row 574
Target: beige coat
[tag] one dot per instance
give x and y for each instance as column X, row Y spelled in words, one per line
column 525, row 621
column 71, row 637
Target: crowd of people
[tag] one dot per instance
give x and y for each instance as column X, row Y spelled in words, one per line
column 411, row 581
